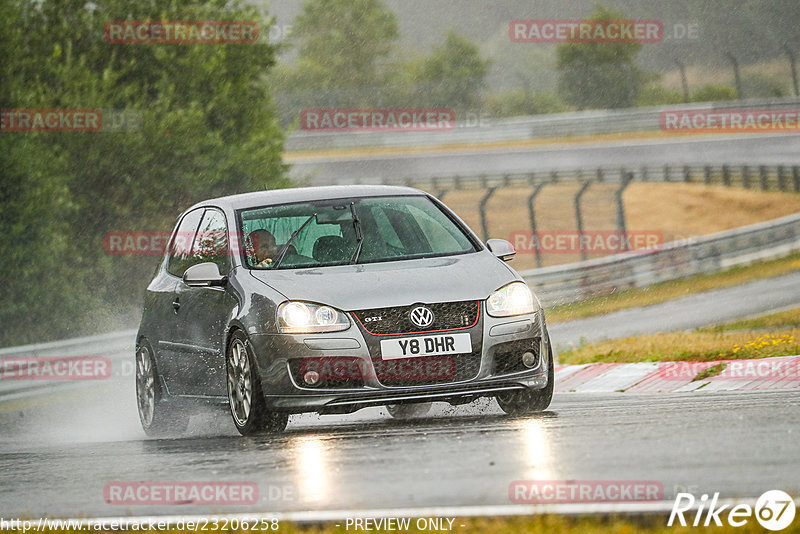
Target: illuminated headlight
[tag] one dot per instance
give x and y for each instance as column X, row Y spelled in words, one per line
column 514, row 299
column 306, row 318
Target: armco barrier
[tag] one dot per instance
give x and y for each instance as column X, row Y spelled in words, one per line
column 578, row 281
column 572, row 124
column 554, row 285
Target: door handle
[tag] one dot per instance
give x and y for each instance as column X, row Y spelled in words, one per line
column 176, row 304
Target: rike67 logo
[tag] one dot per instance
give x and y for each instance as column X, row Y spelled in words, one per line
column 774, row 510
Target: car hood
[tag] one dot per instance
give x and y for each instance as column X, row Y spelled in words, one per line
column 471, row 276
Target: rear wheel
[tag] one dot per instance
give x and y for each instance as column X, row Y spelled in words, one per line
column 408, row 411
column 248, row 408
column 158, row 418
column 529, row 401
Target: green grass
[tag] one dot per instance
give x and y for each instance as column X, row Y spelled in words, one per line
column 673, row 289
column 687, row 346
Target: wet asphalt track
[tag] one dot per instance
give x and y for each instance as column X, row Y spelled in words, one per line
column 780, row 149
column 740, row 444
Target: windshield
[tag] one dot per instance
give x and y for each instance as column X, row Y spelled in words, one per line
column 362, row 230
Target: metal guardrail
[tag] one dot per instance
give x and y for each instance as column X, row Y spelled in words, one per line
column 563, row 284
column 558, row 284
column 762, row 177
column 118, row 347
column 572, row 124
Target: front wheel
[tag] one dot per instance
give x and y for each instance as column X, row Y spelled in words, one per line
column 157, row 417
column 248, row 408
column 529, row 401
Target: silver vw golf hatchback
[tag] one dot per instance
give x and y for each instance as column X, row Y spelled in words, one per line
column 332, row 299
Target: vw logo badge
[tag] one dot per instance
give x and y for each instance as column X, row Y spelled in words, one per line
column 421, row 316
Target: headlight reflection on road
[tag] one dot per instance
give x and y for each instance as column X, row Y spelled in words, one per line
column 539, row 460
column 311, row 468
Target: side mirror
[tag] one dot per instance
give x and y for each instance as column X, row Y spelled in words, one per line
column 502, row 249
column 204, row 275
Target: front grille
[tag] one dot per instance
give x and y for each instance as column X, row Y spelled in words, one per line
column 508, row 356
column 427, row 370
column 447, row 316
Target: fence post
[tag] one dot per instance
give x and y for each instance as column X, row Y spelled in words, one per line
column 781, row 179
column 579, row 215
column 745, row 176
column 442, row 192
column 666, row 173
column 627, row 178
column 532, row 217
column 687, row 174
column 796, row 177
column 762, row 177
column 482, row 209
column 707, row 177
column 726, row 175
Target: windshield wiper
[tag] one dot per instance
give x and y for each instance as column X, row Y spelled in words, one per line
column 359, row 234
column 282, row 253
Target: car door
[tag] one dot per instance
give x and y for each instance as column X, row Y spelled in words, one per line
column 204, row 313
column 165, row 308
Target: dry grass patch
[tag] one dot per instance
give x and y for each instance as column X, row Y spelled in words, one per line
column 674, row 210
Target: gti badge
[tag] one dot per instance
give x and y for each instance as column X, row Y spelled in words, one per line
column 421, row 316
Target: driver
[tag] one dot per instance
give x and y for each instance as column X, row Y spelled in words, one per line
column 264, row 247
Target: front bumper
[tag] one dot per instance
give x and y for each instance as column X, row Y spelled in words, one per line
column 497, row 344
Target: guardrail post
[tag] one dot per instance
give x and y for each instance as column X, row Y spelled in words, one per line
column 726, row 176
column 482, row 210
column 781, row 179
column 796, row 177
column 599, row 174
column 457, row 182
column 707, row 177
column 644, row 173
column 579, row 215
column 666, row 173
column 687, row 174
column 532, row 217
column 762, row 177
column 622, row 228
column 745, row 176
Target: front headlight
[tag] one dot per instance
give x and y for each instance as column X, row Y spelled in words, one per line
column 514, row 299
column 305, row 318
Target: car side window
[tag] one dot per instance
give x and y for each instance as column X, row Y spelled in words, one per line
column 211, row 242
column 180, row 248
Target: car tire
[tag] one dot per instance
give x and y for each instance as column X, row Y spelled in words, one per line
column 158, row 417
column 408, row 411
column 527, row 401
column 245, row 397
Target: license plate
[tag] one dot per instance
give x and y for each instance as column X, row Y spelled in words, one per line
column 412, row 347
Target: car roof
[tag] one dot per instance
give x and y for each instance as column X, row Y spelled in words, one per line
column 305, row 194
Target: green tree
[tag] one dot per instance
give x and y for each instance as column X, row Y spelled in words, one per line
column 599, row 75
column 206, row 127
column 453, row 76
column 343, row 46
